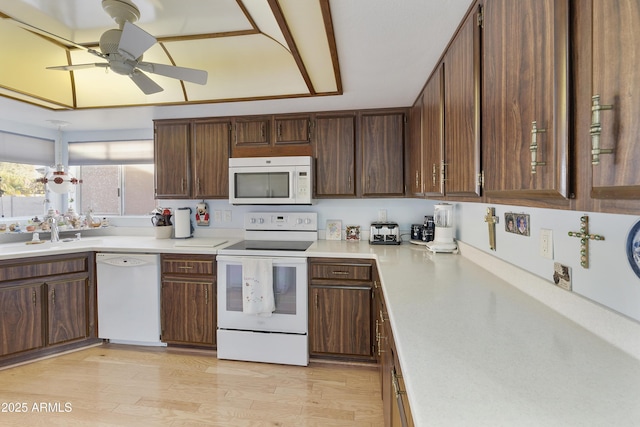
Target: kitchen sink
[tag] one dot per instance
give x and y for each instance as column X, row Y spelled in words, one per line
column 46, row 245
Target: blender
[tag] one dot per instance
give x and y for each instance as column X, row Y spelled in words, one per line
column 443, row 236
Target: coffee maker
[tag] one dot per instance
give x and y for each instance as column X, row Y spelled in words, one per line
column 443, row 235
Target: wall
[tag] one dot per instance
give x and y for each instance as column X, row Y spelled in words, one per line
column 609, row 281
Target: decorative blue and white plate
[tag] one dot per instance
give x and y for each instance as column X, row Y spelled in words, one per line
column 633, row 248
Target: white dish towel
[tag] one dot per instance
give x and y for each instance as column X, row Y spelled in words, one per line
column 257, row 286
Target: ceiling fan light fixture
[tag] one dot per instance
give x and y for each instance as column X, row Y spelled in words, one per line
column 121, row 11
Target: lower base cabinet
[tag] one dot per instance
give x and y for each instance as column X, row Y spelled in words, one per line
column 340, row 308
column 394, row 396
column 188, row 300
column 47, row 305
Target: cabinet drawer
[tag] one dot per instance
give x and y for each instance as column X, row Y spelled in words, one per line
column 171, row 265
column 39, row 268
column 341, row 271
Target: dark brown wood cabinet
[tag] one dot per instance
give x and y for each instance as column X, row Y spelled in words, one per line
column 606, row 63
column 172, row 159
column 525, row 99
column 67, row 309
column 335, row 155
column 432, row 125
column 395, row 402
column 340, row 308
column 382, row 136
column 192, row 158
column 267, row 136
column 188, row 300
column 461, row 167
column 21, row 318
column 47, row 305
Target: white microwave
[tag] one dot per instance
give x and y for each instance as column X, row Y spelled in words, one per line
column 270, row 180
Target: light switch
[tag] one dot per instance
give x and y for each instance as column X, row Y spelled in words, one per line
column 546, row 243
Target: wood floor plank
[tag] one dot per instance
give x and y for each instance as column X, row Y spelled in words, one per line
column 113, row 385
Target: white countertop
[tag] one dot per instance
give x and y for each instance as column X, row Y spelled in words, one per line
column 474, row 349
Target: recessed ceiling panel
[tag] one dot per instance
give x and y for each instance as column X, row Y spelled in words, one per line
column 241, row 44
column 306, row 24
column 241, row 67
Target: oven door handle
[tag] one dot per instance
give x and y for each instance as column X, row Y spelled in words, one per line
column 276, row 260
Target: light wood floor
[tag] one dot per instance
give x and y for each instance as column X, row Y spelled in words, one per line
column 113, row 385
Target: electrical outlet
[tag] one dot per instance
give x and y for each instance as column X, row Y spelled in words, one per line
column 217, row 215
column 562, row 276
column 382, row 215
column 227, row 216
column 546, row 243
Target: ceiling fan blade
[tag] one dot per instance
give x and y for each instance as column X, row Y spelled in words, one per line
column 145, row 84
column 134, row 41
column 187, row 74
column 78, row 66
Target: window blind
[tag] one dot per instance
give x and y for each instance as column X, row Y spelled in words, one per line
column 15, row 148
column 111, row 152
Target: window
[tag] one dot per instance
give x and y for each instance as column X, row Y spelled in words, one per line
column 117, row 176
column 23, row 157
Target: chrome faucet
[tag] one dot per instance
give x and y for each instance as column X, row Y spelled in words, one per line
column 55, row 236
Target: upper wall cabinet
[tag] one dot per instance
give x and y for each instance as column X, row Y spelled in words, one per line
column 382, row 135
column 335, row 153
column 192, row 159
column 525, row 99
column 266, row 136
column 615, row 100
column 432, row 128
column 462, row 110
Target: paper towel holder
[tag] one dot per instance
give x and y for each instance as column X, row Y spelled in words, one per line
column 183, row 228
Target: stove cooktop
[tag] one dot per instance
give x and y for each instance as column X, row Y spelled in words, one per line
column 270, row 245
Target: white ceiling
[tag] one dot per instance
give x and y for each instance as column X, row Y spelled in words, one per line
column 386, row 49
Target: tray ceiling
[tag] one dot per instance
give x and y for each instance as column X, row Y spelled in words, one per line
column 251, row 49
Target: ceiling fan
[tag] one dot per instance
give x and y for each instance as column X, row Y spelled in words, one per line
column 123, row 48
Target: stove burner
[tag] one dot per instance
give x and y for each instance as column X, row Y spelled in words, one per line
column 270, row 245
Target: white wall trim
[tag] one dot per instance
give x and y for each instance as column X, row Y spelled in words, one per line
column 614, row 328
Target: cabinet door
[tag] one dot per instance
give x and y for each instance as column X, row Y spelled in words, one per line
column 252, row 131
column 292, row 130
column 433, row 134
column 335, row 152
column 414, row 151
column 67, row 310
column 21, row 318
column 382, row 145
column 210, row 158
column 462, row 110
column 171, row 158
column 525, row 63
column 616, row 80
column 188, row 312
column 340, row 321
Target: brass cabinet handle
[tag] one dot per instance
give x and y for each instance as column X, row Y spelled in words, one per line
column 396, row 384
column 53, row 296
column 349, row 183
column 534, row 146
column 182, row 184
column 33, row 297
column 596, row 129
column 316, row 299
column 340, row 273
column 206, row 294
column 279, row 130
column 434, row 174
column 417, row 175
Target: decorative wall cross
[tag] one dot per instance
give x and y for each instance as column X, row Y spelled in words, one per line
column 491, row 219
column 584, row 240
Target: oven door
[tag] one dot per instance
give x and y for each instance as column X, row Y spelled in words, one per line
column 290, row 292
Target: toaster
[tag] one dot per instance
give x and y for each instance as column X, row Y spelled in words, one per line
column 384, row 233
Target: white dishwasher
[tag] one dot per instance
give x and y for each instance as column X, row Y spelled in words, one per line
column 129, row 298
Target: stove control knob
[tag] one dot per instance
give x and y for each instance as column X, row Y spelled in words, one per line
column 307, row 221
column 261, row 220
column 252, row 220
column 299, row 221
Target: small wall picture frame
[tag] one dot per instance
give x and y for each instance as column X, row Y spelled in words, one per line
column 334, row 229
column 517, row 223
column 353, row 233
